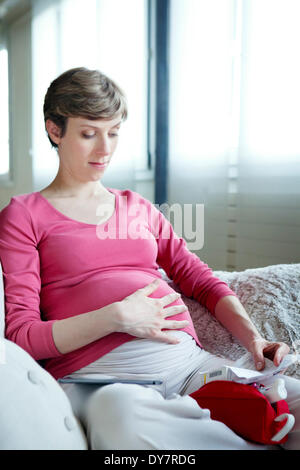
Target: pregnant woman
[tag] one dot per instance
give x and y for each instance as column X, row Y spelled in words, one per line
column 84, row 294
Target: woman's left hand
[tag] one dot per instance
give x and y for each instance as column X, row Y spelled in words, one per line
column 261, row 348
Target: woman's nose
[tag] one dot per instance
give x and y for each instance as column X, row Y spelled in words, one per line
column 103, row 146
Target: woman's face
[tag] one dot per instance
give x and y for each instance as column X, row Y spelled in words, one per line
column 87, row 147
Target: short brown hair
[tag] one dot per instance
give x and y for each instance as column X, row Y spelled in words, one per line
column 80, row 92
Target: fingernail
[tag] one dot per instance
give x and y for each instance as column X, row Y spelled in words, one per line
column 259, row 365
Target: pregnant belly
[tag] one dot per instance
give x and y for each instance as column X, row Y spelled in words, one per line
column 97, row 291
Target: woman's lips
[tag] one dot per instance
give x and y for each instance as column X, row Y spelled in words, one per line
column 98, row 165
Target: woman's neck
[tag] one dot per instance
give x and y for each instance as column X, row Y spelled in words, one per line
column 78, row 191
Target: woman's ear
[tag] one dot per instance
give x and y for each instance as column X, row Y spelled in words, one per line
column 54, row 131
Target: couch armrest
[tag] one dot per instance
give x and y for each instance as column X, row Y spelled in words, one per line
column 35, row 411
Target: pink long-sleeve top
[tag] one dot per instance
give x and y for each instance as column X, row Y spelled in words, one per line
column 55, row 267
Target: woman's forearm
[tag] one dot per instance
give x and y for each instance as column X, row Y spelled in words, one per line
column 231, row 314
column 78, row 331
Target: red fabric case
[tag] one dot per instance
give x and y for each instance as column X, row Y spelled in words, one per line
column 244, row 409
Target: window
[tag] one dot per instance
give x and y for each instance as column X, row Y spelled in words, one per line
column 109, row 35
column 234, row 126
column 4, row 114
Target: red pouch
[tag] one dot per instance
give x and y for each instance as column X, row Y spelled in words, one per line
column 246, row 411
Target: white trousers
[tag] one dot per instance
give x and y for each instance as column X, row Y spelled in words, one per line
column 135, row 417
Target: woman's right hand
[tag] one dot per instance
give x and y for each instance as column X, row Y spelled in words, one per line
column 145, row 317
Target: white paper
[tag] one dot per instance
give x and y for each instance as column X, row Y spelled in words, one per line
column 243, row 370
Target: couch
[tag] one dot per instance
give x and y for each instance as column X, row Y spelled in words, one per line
column 35, row 412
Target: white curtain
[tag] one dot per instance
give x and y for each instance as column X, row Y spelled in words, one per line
column 109, row 35
column 4, row 113
column 268, row 203
column 201, row 113
column 234, row 126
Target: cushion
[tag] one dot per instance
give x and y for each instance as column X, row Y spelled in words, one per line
column 1, row 304
column 271, row 297
column 35, row 413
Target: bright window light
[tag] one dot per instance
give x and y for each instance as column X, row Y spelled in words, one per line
column 272, row 95
column 4, row 114
column 201, row 77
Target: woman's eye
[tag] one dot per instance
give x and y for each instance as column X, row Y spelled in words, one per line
column 88, row 136
column 113, row 135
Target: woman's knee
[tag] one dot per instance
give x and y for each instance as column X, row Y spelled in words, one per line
column 113, row 416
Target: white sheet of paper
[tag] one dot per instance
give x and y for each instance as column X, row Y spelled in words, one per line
column 244, row 370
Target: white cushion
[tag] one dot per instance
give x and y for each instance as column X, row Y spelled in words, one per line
column 35, row 413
